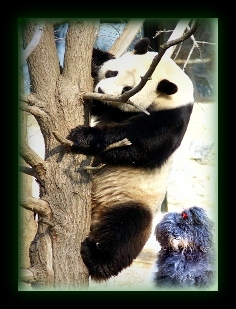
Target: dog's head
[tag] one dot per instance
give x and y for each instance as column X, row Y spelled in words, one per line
column 190, row 229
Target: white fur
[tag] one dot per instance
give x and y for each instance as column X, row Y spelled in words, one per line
column 122, row 184
column 132, row 67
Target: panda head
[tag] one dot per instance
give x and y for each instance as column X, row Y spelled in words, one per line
column 168, row 87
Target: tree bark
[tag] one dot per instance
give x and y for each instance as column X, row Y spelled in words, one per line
column 28, row 225
column 55, row 251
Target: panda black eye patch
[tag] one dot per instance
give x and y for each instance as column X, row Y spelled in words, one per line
column 110, row 73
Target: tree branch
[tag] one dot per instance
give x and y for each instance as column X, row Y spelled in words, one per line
column 110, row 98
column 38, row 32
column 39, row 206
column 63, row 141
column 182, row 38
column 195, row 44
column 124, row 98
column 27, row 276
column 67, row 143
column 178, row 31
column 123, row 142
column 34, row 110
column 31, row 104
column 32, row 99
column 30, row 156
column 125, row 39
column 92, row 168
column 28, row 171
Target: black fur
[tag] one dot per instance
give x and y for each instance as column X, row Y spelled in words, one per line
column 98, row 58
column 117, row 240
column 154, row 138
column 167, row 87
column 141, row 47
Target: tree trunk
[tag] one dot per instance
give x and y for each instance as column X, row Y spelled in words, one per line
column 64, row 185
column 28, row 226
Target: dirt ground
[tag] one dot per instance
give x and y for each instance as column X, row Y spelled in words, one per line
column 193, row 181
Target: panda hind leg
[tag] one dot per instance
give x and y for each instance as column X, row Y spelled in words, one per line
column 116, row 239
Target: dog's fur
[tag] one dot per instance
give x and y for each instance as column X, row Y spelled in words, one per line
column 186, row 258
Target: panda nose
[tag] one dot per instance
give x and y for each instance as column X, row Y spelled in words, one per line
column 100, row 90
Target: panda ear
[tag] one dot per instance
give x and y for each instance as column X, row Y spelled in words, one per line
column 167, row 87
column 98, row 58
column 141, row 47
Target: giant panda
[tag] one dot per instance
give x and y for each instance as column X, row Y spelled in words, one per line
column 130, row 187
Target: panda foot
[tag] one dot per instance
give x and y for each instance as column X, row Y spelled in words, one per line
column 101, row 263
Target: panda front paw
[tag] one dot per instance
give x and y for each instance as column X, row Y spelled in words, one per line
column 84, row 138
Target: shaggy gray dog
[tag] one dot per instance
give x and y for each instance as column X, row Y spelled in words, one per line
column 186, row 256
